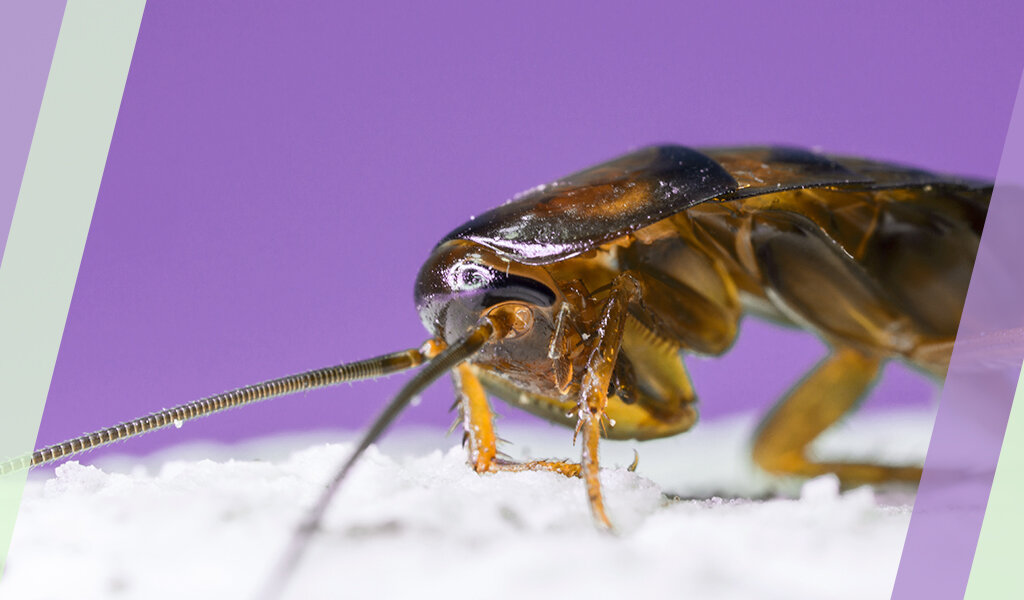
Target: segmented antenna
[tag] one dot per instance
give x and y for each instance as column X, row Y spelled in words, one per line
column 309, row 380
column 444, row 362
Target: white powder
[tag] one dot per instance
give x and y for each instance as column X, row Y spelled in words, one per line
column 417, row 523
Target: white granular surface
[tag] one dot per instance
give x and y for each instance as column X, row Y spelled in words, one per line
column 696, row 521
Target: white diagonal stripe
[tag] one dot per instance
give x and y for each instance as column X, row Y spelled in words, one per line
column 51, row 220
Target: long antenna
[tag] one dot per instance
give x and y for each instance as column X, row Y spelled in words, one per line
column 445, row 361
column 318, row 378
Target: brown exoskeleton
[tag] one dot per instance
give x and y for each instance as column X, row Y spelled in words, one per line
column 576, row 301
column 601, row 279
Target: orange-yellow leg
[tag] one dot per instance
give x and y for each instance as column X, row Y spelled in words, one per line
column 821, row 399
column 593, row 398
column 478, row 423
column 569, row 469
column 478, row 420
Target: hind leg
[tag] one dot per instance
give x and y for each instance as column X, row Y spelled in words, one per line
column 818, row 285
column 821, row 399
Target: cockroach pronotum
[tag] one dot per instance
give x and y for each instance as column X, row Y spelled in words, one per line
column 576, row 300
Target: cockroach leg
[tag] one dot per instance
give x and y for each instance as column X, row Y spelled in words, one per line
column 593, row 400
column 821, row 399
column 478, row 422
column 561, row 467
column 591, row 471
column 477, row 419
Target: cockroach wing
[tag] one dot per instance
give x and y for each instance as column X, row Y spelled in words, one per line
column 762, row 170
column 586, row 209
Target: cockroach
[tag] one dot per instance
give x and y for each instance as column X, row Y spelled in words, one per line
column 576, row 300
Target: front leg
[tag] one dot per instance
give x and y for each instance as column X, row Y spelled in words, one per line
column 478, row 425
column 604, row 338
column 593, row 397
column 477, row 419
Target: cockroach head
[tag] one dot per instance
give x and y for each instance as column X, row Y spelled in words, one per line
column 463, row 282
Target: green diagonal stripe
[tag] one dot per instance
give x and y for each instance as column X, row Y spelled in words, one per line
column 51, row 220
column 996, row 571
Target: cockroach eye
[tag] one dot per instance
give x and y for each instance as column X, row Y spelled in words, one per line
column 468, row 276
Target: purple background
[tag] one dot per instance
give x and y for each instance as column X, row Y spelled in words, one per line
column 278, row 174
